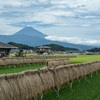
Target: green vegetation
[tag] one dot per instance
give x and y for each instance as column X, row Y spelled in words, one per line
column 12, row 69
column 84, row 58
column 94, row 50
column 21, row 46
column 56, row 47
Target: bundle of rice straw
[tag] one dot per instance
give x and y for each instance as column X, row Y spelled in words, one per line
column 2, row 62
column 47, row 79
column 14, row 90
column 48, row 63
column 21, row 60
column 69, row 69
column 33, row 83
column 76, row 72
column 83, row 69
column 5, row 93
column 22, row 86
column 43, row 60
column 97, row 66
column 9, row 61
column 25, row 61
column 33, row 61
column 80, row 71
column 88, row 67
column 15, row 61
column 61, row 76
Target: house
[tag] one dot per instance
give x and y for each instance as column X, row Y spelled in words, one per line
column 43, row 49
column 28, row 51
column 5, row 49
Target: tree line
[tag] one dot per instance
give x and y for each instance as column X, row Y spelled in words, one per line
column 54, row 47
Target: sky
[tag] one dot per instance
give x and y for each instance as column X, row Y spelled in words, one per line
column 73, row 21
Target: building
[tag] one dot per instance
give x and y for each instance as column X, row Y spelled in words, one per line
column 28, row 51
column 5, row 49
column 43, row 50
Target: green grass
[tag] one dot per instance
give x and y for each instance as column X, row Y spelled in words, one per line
column 84, row 58
column 21, row 68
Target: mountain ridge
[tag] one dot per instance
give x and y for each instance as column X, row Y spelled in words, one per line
column 37, row 41
column 32, row 37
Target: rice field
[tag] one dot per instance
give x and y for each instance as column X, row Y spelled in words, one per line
column 78, row 59
column 80, row 90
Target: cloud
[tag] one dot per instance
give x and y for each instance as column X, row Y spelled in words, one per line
column 72, row 18
column 89, row 17
column 74, row 40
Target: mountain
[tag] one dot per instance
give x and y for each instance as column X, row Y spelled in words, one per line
column 37, row 41
column 30, row 32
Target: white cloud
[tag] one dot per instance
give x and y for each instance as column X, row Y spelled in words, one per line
column 74, row 40
column 89, row 17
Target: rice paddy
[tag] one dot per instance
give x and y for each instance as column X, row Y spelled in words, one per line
column 81, row 89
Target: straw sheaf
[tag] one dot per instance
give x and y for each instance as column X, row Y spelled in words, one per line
column 43, row 60
column 61, row 76
column 97, row 65
column 8, row 61
column 25, row 61
column 3, row 91
column 24, row 92
column 2, row 62
column 47, row 79
column 14, row 91
column 15, row 61
column 80, row 71
column 69, row 69
column 21, row 60
column 35, row 82
column 83, row 69
column 76, row 72
column 5, row 87
column 93, row 67
column 87, row 67
column 73, row 73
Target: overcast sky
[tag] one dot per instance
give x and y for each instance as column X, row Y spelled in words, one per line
column 74, row 21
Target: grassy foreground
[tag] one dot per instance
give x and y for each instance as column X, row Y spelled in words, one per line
column 81, row 91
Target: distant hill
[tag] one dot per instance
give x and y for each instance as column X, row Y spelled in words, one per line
column 94, row 50
column 21, row 46
column 56, row 47
column 30, row 32
column 32, row 37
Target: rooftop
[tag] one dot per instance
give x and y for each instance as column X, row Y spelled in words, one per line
column 4, row 45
